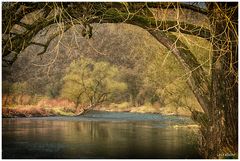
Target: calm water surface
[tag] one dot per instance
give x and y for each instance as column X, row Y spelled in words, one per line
column 99, row 135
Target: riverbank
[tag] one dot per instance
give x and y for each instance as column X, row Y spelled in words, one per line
column 36, row 111
column 44, row 108
column 153, row 109
column 62, row 107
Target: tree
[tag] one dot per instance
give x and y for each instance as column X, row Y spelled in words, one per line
column 221, row 136
column 90, row 82
column 134, row 83
column 54, row 86
column 6, row 91
column 18, row 90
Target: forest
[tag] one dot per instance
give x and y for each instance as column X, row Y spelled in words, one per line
column 167, row 58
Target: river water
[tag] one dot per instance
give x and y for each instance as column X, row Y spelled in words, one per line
column 99, row 135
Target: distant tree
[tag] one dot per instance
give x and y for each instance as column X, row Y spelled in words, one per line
column 6, row 88
column 134, row 83
column 54, row 87
column 6, row 91
column 90, row 82
column 19, row 89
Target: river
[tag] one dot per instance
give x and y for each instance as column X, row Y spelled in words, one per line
column 99, row 135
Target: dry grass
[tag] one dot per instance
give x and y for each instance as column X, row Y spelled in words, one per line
column 59, row 102
column 147, row 108
column 26, row 112
column 45, row 107
column 144, row 109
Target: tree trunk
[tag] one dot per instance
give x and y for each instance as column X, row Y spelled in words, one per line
column 220, row 138
column 198, row 80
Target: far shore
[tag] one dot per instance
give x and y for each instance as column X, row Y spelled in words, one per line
column 35, row 111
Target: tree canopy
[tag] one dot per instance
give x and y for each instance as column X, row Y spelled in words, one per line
column 93, row 82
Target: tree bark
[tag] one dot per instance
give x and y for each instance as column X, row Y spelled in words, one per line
column 220, row 138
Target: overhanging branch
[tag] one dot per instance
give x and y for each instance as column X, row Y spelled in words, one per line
column 198, row 80
column 107, row 13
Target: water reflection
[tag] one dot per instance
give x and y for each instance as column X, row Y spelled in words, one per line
column 26, row 138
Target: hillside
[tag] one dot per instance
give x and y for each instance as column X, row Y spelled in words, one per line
column 146, row 66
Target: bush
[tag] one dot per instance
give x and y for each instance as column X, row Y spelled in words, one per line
column 69, row 109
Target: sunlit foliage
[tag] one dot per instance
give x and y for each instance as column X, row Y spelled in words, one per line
column 90, row 82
